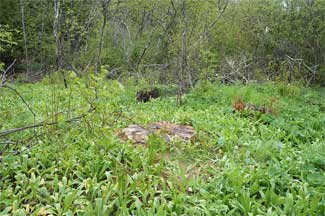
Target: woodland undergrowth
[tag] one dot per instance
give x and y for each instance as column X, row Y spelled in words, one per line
column 243, row 161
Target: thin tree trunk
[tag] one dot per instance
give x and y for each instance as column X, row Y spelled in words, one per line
column 41, row 36
column 25, row 35
column 145, row 49
column 58, row 50
column 183, row 57
column 55, row 32
column 105, row 11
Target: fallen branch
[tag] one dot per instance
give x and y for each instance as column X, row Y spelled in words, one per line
column 5, row 145
column 3, row 84
column 21, row 97
column 16, row 151
column 43, row 123
column 7, row 142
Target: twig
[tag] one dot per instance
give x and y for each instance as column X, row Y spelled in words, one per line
column 7, row 142
column 16, row 152
column 21, row 97
column 41, row 124
column 8, row 68
column 3, row 75
column 4, row 85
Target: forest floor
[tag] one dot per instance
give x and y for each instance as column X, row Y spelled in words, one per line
column 240, row 163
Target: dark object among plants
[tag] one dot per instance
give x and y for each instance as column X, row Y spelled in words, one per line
column 146, row 95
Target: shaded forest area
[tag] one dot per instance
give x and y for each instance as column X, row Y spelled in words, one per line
column 166, row 41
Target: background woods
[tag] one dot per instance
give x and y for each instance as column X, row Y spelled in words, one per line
column 176, row 41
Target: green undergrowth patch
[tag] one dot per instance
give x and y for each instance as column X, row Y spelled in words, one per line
column 245, row 163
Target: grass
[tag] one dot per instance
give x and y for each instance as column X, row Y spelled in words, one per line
column 240, row 163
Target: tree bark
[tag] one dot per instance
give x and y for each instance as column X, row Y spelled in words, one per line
column 183, row 56
column 58, row 50
column 24, row 34
column 41, row 36
column 105, row 11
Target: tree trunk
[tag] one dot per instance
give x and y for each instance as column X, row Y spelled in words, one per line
column 105, row 11
column 41, row 36
column 25, row 35
column 183, row 57
column 58, row 50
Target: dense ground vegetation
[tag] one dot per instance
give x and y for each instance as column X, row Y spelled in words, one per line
column 241, row 163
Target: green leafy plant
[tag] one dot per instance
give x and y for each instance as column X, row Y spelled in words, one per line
column 269, row 165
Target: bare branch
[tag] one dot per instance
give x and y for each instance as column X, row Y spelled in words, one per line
column 4, row 74
column 41, row 124
column 21, row 97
